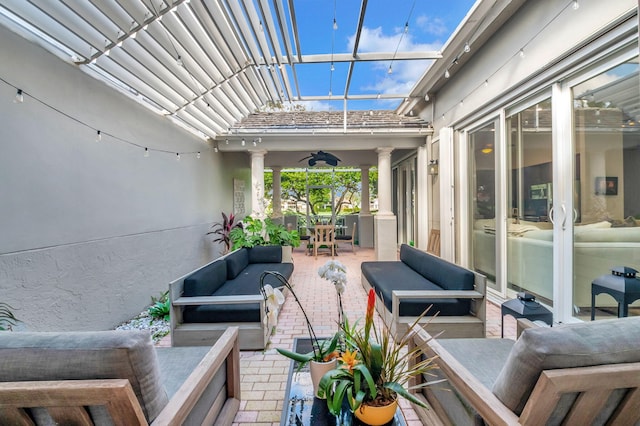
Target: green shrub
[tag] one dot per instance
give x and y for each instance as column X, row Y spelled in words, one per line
column 160, row 307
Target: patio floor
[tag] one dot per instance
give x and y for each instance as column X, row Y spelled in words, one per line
column 264, row 373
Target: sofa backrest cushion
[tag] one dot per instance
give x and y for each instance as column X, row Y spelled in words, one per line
column 447, row 275
column 576, row 345
column 39, row 356
column 205, row 281
column 236, row 262
column 265, row 254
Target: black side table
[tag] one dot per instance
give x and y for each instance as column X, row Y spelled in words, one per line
column 622, row 285
column 530, row 310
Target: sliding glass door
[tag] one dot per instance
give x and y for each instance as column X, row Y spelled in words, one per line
column 483, row 198
column 606, row 231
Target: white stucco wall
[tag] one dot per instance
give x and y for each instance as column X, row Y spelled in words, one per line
column 545, row 30
column 89, row 231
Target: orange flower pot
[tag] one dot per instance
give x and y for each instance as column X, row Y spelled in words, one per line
column 376, row 416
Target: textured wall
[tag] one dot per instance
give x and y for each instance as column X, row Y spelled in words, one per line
column 89, row 231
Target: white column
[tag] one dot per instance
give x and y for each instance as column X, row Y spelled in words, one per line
column 277, row 192
column 384, row 181
column 385, row 223
column 423, row 191
column 257, row 183
column 365, row 202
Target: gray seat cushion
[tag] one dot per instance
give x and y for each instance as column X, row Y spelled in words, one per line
column 576, row 345
column 483, row 358
column 26, row 356
column 207, row 280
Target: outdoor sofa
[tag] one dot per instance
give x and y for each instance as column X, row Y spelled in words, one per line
column 577, row 374
column 406, row 287
column 116, row 377
column 223, row 293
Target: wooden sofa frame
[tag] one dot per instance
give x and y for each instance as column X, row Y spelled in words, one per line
column 472, row 325
column 65, row 400
column 593, row 384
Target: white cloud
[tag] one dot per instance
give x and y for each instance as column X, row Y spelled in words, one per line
column 434, row 26
column 405, row 73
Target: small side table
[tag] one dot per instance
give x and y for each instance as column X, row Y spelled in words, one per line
column 622, row 285
column 530, row 310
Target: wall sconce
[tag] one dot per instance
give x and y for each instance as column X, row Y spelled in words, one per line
column 433, row 167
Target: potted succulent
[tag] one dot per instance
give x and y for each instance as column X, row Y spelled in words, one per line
column 374, row 371
column 323, row 356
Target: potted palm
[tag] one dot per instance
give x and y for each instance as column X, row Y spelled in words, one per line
column 374, row 371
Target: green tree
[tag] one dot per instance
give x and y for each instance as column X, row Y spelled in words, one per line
column 347, row 186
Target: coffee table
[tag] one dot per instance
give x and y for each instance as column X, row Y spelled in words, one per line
column 302, row 408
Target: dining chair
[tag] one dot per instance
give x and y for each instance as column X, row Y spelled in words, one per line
column 349, row 238
column 324, row 235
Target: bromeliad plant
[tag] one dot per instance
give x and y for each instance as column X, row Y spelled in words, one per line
column 322, row 350
column 375, row 369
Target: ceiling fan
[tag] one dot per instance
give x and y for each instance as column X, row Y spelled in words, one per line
column 325, row 157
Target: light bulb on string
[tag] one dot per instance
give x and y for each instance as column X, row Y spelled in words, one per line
column 333, row 68
column 19, row 97
column 177, row 156
column 226, row 141
column 179, row 61
column 521, row 53
column 198, row 154
column 215, row 149
column 255, row 143
column 146, row 152
column 576, row 5
column 390, row 70
column 406, row 27
column 335, row 24
column 98, row 136
column 243, row 142
column 467, row 48
column 447, row 74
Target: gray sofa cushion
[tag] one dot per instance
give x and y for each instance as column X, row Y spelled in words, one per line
column 236, row 262
column 483, row 358
column 576, row 345
column 128, row 355
column 265, row 254
column 207, row 280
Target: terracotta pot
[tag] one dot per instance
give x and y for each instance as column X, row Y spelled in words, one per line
column 376, row 416
column 317, row 370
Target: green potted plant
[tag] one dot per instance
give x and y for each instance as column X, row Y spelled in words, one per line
column 253, row 232
column 374, row 371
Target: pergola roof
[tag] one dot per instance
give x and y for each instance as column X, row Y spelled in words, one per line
column 206, row 64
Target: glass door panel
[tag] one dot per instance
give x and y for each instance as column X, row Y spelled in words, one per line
column 529, row 233
column 482, row 174
column 607, row 178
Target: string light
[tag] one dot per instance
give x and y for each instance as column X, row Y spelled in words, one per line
column 134, row 33
column 226, row 141
column 576, row 5
column 335, row 24
column 426, row 97
column 215, row 148
column 254, row 143
column 179, row 61
column 447, row 74
column 243, row 142
column 406, row 27
column 332, row 67
column 467, row 48
column 19, row 97
column 521, row 53
column 390, row 70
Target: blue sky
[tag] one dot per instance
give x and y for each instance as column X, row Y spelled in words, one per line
column 430, row 25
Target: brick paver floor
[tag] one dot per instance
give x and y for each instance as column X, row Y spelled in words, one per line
column 263, row 374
